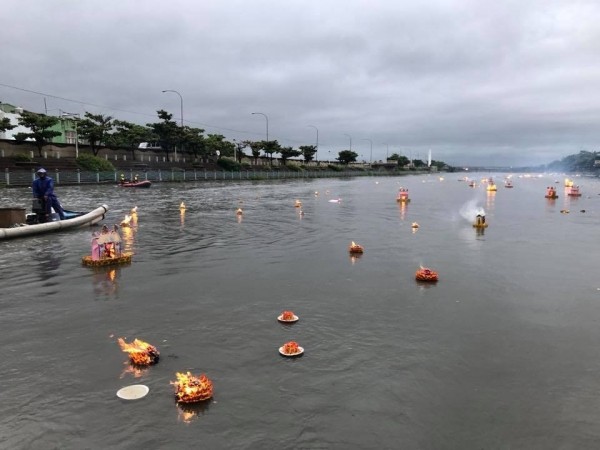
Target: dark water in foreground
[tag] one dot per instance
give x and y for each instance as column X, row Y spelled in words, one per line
column 502, row 353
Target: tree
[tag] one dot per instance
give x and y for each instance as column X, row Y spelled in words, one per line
column 5, row 125
column 418, row 163
column 255, row 148
column 347, row 156
column 240, row 146
column 129, row 135
column 270, row 147
column 194, row 142
column 400, row 160
column 39, row 125
column 168, row 132
column 288, row 152
column 308, row 151
column 95, row 129
column 217, row 143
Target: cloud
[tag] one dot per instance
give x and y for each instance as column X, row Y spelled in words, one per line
column 479, row 82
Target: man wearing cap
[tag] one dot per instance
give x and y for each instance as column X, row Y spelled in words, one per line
column 43, row 189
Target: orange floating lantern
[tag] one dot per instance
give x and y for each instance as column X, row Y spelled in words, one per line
column 425, row 274
column 140, row 353
column 287, row 316
column 355, row 248
column 291, row 348
column 192, row 389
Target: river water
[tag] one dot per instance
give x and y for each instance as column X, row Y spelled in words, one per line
column 501, row 353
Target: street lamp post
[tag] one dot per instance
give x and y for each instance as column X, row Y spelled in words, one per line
column 387, row 151
column 317, row 152
column 350, row 137
column 181, row 105
column 267, row 119
column 371, row 154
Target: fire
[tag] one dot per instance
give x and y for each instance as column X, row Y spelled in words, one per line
column 355, row 248
column 291, row 348
column 426, row 274
column 140, row 353
column 182, row 207
column 287, row 315
column 126, row 221
column 191, row 389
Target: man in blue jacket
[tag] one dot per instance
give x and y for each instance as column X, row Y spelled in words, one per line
column 43, row 189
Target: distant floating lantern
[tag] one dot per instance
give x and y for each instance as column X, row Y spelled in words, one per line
column 298, row 204
column 182, row 207
column 288, row 317
column 425, row 274
column 551, row 193
column 480, row 221
column 140, row 353
column 192, row 389
column 402, row 196
column 126, row 221
column 239, row 211
column 355, row 248
column 415, row 225
column 134, row 210
column 316, row 193
column 564, row 211
column 574, row 192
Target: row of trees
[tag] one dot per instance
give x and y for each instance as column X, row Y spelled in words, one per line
column 101, row 131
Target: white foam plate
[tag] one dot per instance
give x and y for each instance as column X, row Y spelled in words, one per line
column 281, row 319
column 300, row 351
column 133, row 392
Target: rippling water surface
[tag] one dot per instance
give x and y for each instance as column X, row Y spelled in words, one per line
column 501, row 353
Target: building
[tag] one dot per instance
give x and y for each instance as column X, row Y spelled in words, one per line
column 66, row 126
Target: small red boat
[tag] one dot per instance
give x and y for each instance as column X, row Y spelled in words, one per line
column 136, row 184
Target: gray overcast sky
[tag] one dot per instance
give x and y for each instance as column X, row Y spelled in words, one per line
column 503, row 82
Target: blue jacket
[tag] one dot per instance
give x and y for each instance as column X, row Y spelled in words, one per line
column 43, row 187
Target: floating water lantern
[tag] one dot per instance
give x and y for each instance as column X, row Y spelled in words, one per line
column 288, row 317
column 415, row 225
column 140, row 353
column 291, row 349
column 425, row 274
column 192, row 389
column 355, row 248
column 568, row 183
column 316, row 193
column 106, row 249
column 480, row 221
column 491, row 187
column 335, row 200
column 182, row 207
column 551, row 193
column 134, row 210
column 402, row 196
column 126, row 221
column 574, row 192
column 472, row 183
column 239, row 211
column 564, row 211
column 297, row 204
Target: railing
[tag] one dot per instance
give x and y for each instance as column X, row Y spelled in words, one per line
column 22, row 178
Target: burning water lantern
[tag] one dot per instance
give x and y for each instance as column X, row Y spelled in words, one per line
column 239, row 212
column 425, row 274
column 355, row 248
column 126, row 221
column 298, row 204
column 191, row 389
column 140, row 353
column 403, row 196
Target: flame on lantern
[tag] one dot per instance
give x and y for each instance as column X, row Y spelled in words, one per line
column 140, row 353
column 191, row 389
column 182, row 207
column 134, row 210
column 126, row 221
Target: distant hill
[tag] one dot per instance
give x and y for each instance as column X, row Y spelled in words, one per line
column 584, row 161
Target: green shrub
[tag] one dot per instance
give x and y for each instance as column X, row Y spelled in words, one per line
column 20, row 157
column 228, row 164
column 293, row 167
column 335, row 168
column 93, row 163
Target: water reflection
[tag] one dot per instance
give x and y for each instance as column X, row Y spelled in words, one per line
column 491, row 197
column 134, row 371
column 49, row 259
column 186, row 413
column 106, row 281
column 402, row 206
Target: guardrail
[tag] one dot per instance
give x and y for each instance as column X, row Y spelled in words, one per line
column 23, row 178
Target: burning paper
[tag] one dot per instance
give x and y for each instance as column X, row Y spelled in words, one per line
column 140, row 353
column 191, row 389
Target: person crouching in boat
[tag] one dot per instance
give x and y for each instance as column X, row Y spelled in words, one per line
column 43, row 190
column 136, row 178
